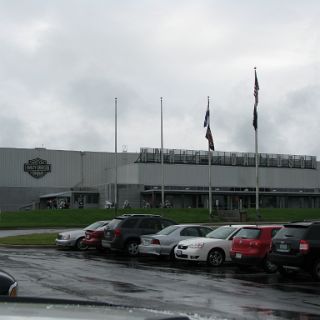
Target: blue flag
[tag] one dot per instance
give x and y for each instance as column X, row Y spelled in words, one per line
column 256, row 100
column 207, row 117
column 210, row 138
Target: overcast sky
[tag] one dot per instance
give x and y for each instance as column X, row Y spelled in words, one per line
column 62, row 63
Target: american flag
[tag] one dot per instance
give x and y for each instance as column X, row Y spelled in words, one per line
column 210, row 138
column 256, row 100
column 207, row 116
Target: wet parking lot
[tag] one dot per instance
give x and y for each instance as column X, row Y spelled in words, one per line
column 197, row 290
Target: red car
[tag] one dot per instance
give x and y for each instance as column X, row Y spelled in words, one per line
column 93, row 238
column 251, row 245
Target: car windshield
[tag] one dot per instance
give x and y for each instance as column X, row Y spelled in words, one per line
column 168, row 230
column 162, row 119
column 221, row 233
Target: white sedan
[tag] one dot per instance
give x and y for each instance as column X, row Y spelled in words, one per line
column 213, row 249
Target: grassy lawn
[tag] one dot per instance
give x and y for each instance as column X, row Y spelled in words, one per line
column 31, row 239
column 83, row 217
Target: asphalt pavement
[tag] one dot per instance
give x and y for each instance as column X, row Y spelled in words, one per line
column 178, row 288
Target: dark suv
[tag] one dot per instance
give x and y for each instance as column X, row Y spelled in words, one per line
column 297, row 246
column 123, row 232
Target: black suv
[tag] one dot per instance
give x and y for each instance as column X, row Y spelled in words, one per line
column 297, row 246
column 123, row 232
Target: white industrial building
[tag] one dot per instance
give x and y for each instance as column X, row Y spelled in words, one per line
column 35, row 178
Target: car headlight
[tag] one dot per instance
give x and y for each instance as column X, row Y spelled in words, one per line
column 198, row 245
column 65, row 237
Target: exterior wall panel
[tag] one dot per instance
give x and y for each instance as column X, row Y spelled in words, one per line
column 222, row 176
column 76, row 169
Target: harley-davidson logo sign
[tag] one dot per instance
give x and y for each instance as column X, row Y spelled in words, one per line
column 37, row 168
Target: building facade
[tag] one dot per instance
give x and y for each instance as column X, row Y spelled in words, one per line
column 40, row 178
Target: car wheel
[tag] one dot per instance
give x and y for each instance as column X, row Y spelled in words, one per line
column 132, row 248
column 268, row 266
column 215, row 258
column 80, row 245
column 316, row 270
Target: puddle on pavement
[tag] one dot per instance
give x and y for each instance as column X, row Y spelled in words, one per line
column 280, row 314
column 126, row 287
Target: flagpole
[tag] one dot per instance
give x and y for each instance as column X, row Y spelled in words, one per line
column 255, row 125
column 257, row 175
column 209, row 171
column 116, row 156
column 162, row 164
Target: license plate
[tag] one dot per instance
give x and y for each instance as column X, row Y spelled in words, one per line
column 283, row 247
column 238, row 255
column 179, row 252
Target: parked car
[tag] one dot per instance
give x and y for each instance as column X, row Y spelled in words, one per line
column 93, row 237
column 297, row 247
column 251, row 245
column 213, row 249
column 74, row 239
column 123, row 233
column 163, row 242
column 8, row 285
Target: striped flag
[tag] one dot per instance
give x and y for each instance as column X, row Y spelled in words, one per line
column 256, row 100
column 210, row 138
column 207, row 116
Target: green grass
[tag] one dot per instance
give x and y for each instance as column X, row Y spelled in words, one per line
column 285, row 215
column 83, row 217
column 31, row 239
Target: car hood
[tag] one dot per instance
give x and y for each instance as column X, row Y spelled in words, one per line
column 23, row 308
column 73, row 233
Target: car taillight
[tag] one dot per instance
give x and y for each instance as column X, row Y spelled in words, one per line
column 117, row 232
column 254, row 244
column 155, row 241
column 304, row 246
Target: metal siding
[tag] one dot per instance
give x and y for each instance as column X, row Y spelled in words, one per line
column 65, row 167
column 19, row 188
column 222, row 176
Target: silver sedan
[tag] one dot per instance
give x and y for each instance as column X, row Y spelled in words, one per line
column 74, row 238
column 164, row 242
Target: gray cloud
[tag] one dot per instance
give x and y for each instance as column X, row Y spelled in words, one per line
column 63, row 63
